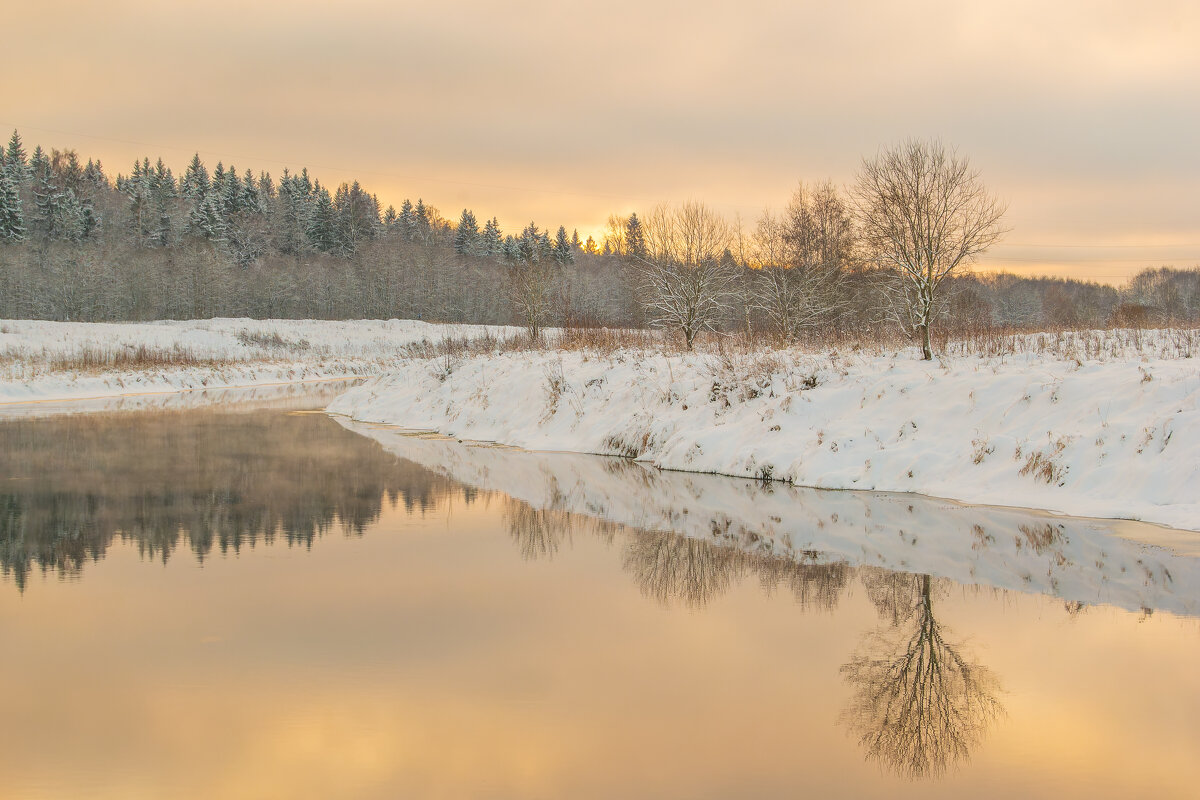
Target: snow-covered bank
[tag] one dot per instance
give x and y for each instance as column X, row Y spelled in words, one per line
column 1078, row 560
column 42, row 361
column 1107, row 438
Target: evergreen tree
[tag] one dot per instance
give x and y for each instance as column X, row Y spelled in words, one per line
column 163, row 192
column 635, row 237
column 58, row 214
column 195, row 184
column 94, row 177
column 493, row 241
column 408, row 224
column 421, row 221
column 14, row 160
column 466, row 238
column 575, row 242
column 205, row 222
column 511, row 249
column 12, row 222
column 589, row 246
column 322, row 232
column 38, row 164
column 231, row 192
column 563, row 253
column 251, row 200
column 294, row 214
column 389, row 218
column 266, row 187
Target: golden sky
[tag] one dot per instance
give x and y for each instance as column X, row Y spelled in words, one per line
column 1082, row 114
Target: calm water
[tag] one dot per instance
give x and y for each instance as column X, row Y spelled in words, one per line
column 272, row 604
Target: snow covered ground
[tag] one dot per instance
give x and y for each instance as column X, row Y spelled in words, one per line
column 1078, row 560
column 1109, row 435
column 47, row 361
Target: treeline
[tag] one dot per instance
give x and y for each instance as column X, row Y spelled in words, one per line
column 79, row 244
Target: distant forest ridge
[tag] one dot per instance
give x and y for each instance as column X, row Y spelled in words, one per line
column 77, row 244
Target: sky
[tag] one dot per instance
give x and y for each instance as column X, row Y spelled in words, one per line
column 1084, row 116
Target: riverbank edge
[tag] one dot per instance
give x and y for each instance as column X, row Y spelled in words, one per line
column 1082, row 439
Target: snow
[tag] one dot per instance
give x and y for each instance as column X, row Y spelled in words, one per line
column 36, row 356
column 1077, row 560
column 1111, row 436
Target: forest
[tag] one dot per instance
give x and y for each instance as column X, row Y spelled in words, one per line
column 79, row 244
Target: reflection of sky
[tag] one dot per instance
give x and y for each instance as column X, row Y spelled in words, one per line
column 428, row 658
column 1080, row 114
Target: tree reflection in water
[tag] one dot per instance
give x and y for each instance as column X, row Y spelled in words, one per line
column 211, row 480
column 920, row 703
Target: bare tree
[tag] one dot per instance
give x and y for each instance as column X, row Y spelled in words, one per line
column 532, row 288
column 925, row 213
column 684, row 279
column 920, row 704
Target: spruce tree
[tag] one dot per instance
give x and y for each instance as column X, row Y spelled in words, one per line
column 322, row 232
column 467, row 236
column 205, row 222
column 563, row 253
column 195, row 183
column 14, row 160
column 251, row 199
column 12, row 222
column 493, row 241
column 408, row 225
column 635, row 237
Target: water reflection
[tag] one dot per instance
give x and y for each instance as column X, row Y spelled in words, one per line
column 920, row 704
column 1078, row 560
column 207, row 480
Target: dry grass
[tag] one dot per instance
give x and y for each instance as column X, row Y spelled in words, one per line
column 96, row 359
column 1065, row 345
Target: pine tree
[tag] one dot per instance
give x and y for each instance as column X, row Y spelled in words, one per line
column 251, row 200
column 421, row 221
column 493, row 241
column 408, row 224
column 12, row 222
column 322, row 232
column 93, row 175
column 205, row 222
column 14, row 160
column 635, row 237
column 231, row 192
column 195, row 184
column 563, row 253
column 466, row 238
column 389, row 218
column 575, row 242
column 510, row 249
column 294, row 214
column 163, row 192
column 266, row 187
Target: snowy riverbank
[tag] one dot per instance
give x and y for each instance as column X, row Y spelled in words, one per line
column 1109, row 437
column 827, row 534
column 48, row 361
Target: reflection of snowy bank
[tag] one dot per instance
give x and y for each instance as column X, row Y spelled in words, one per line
column 1112, row 438
column 1078, row 560
column 283, row 396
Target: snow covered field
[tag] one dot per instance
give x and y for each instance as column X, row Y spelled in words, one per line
column 1111, row 434
column 46, row 361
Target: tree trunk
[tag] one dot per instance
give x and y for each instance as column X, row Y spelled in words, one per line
column 926, row 350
